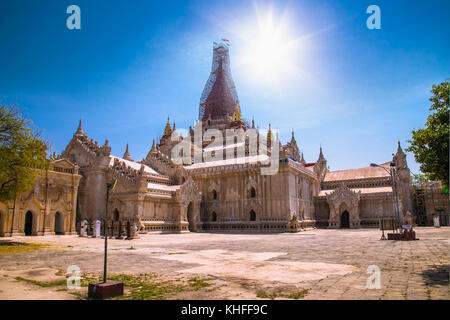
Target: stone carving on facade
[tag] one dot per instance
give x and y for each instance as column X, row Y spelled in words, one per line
column 253, row 204
column 116, row 204
column 343, row 195
column 214, row 186
column 125, row 173
column 293, row 225
column 252, row 184
column 189, row 197
column 213, row 207
column 189, row 191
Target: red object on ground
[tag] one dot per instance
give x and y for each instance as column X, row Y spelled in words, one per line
column 108, row 289
column 405, row 235
column 394, row 236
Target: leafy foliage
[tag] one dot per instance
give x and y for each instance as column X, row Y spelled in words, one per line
column 430, row 145
column 418, row 179
column 21, row 152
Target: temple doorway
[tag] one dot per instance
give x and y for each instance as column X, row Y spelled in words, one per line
column 345, row 219
column 59, row 223
column 190, row 216
column 116, row 215
column 28, row 223
column 252, row 215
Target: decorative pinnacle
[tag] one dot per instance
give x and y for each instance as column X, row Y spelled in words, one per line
column 269, row 134
column 80, row 129
column 153, row 149
column 167, row 129
column 127, row 155
column 237, row 113
column 321, row 157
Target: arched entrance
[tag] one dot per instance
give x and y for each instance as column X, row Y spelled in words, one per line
column 252, row 215
column 214, row 216
column 190, row 216
column 28, row 229
column 59, row 223
column 116, row 215
column 345, row 219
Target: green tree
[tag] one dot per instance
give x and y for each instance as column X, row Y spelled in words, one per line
column 418, row 179
column 22, row 151
column 430, row 145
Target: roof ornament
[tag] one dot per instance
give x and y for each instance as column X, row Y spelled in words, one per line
column 167, row 129
column 127, row 155
column 269, row 136
column 237, row 113
column 80, row 129
column 321, row 157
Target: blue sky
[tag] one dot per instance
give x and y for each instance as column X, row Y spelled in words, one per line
column 352, row 90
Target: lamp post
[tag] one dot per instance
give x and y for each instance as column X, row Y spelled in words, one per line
column 392, row 172
column 111, row 185
column 106, row 289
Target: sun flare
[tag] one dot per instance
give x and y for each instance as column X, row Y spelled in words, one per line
column 271, row 51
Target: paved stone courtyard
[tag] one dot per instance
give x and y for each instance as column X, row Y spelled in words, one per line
column 322, row 264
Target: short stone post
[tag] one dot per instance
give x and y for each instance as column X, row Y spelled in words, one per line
column 83, row 228
column 128, row 230
column 134, row 231
column 97, row 227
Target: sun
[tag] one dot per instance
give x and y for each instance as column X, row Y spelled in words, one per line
column 271, row 52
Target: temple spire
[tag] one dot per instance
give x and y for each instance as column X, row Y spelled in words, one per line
column 127, row 155
column 153, row 149
column 400, row 157
column 292, row 137
column 321, row 157
column 219, row 96
column 167, row 129
column 269, row 137
column 399, row 148
column 80, row 129
column 237, row 113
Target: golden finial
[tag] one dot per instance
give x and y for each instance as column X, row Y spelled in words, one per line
column 269, row 134
column 237, row 113
column 167, row 129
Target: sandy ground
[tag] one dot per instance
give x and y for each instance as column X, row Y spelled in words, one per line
column 329, row 264
column 12, row 289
